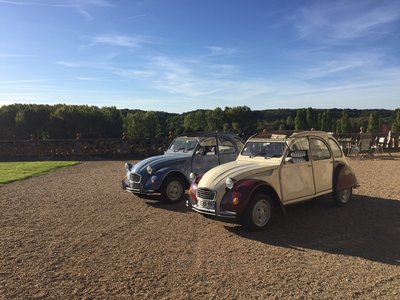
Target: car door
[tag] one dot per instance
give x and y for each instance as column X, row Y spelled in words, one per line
column 205, row 156
column 296, row 175
column 226, row 150
column 322, row 162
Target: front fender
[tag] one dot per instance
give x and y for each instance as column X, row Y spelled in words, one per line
column 155, row 181
column 238, row 198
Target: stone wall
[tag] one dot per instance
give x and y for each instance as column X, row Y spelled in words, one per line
column 81, row 149
column 117, row 148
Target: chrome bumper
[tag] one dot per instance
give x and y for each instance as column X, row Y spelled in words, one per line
column 217, row 212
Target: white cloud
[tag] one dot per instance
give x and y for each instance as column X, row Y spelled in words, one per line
column 11, row 55
column 88, row 17
column 66, row 4
column 120, row 40
column 341, row 21
column 216, row 50
column 341, row 64
column 68, row 64
column 9, row 82
column 101, row 3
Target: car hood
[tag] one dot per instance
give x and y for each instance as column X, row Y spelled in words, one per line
column 160, row 161
column 236, row 170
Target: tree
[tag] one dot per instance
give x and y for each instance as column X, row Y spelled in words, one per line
column 175, row 124
column 32, row 119
column 215, row 119
column 373, row 122
column 396, row 123
column 142, row 124
column 329, row 121
column 7, row 122
column 242, row 116
column 311, row 120
column 290, row 122
column 301, row 120
column 345, row 125
column 195, row 121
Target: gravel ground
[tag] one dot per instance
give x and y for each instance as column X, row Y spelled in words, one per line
column 75, row 233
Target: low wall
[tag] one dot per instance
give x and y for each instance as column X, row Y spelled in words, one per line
column 119, row 148
column 81, row 149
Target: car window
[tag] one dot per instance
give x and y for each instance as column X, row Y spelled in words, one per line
column 299, row 144
column 225, row 146
column 208, row 146
column 319, row 150
column 265, row 149
column 337, row 152
column 239, row 143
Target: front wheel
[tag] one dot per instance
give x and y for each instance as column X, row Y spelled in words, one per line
column 258, row 213
column 342, row 197
column 172, row 190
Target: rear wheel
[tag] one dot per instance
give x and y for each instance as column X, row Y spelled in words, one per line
column 172, row 189
column 342, row 197
column 258, row 213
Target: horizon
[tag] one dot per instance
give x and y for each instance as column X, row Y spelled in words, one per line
column 179, row 56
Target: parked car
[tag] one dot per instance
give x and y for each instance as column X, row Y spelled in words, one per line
column 168, row 174
column 274, row 170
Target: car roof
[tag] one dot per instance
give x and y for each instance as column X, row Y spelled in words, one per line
column 210, row 134
column 283, row 134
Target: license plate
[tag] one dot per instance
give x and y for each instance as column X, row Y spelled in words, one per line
column 206, row 204
column 134, row 185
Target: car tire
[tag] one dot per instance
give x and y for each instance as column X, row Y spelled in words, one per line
column 258, row 212
column 342, row 197
column 172, row 189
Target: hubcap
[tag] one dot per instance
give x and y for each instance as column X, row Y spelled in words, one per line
column 174, row 190
column 344, row 195
column 261, row 213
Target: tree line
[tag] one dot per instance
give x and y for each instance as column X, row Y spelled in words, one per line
column 61, row 121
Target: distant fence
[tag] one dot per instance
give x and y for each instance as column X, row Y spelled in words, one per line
column 119, row 148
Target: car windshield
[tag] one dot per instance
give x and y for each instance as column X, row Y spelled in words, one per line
column 182, row 145
column 267, row 149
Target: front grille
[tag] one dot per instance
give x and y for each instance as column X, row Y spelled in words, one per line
column 206, row 194
column 135, row 186
column 135, row 177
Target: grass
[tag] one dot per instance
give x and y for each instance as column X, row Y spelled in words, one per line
column 13, row 171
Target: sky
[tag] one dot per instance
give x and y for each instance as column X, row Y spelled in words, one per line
column 183, row 55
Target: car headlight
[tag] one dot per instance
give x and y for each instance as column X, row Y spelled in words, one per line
column 149, row 170
column 229, row 183
column 192, row 177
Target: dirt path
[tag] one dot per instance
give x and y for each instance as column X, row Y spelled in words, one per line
column 75, row 234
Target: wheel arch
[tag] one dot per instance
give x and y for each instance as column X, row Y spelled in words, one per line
column 265, row 188
column 343, row 177
column 180, row 175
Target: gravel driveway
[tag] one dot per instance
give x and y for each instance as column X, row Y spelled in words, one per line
column 75, row 233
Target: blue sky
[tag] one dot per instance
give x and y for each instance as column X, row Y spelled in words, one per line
column 183, row 55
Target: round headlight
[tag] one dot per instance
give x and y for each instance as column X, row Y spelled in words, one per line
column 229, row 183
column 192, row 177
column 149, row 170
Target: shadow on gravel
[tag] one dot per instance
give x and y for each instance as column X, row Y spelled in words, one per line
column 368, row 228
column 156, row 203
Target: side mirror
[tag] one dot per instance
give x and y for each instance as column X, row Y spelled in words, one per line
column 128, row 166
